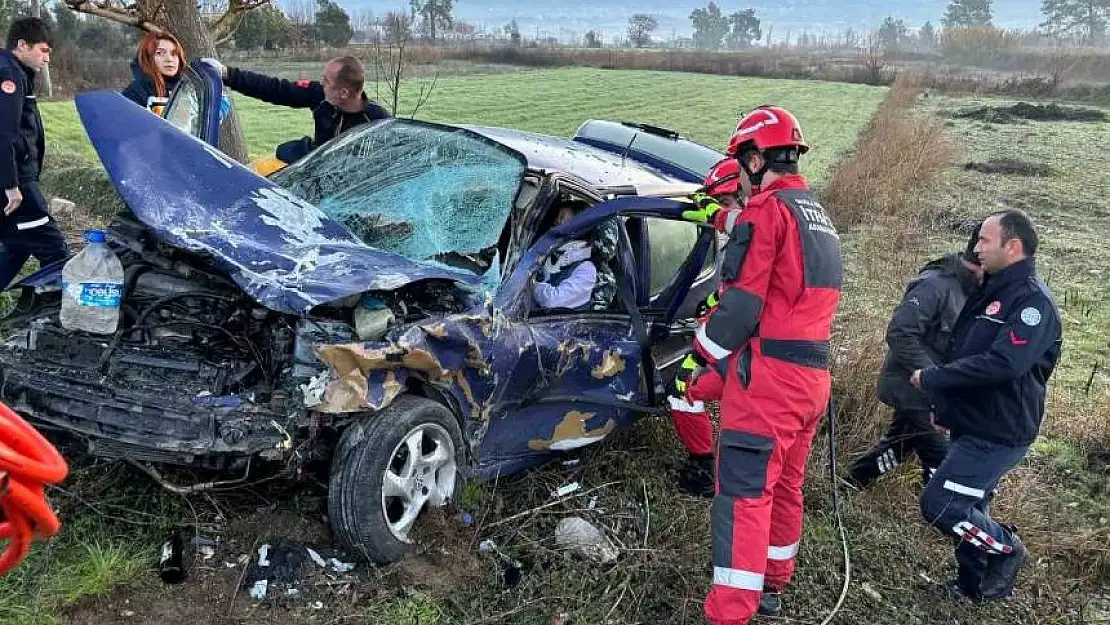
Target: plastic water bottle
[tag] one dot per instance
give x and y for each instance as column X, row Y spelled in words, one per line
column 92, row 284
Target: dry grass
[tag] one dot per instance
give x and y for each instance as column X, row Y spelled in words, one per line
column 896, row 157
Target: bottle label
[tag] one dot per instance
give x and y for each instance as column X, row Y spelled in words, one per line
column 98, row 294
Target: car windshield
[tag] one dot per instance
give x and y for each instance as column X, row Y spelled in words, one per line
column 424, row 191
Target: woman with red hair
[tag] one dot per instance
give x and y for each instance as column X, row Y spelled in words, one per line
column 156, row 70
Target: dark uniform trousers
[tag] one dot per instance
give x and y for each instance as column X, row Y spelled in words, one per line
column 42, row 240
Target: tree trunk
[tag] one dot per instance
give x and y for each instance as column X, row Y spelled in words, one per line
column 44, row 75
column 183, row 20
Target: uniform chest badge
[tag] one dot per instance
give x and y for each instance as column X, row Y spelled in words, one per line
column 8, row 87
column 1031, row 316
column 993, row 308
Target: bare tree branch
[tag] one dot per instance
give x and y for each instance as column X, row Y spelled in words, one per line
column 224, row 26
column 138, row 15
column 426, row 90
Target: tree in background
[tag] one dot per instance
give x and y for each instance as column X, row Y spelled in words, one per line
column 198, row 37
column 593, row 40
column 67, row 23
column 267, row 28
column 333, row 25
column 640, row 27
column 710, row 27
column 927, row 37
column 892, row 34
column 398, row 27
column 967, row 14
column 745, row 30
column 1086, row 18
column 434, row 13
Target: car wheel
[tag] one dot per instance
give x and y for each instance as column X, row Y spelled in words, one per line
column 389, row 468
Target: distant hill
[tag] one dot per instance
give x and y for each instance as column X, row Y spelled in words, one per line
column 565, row 18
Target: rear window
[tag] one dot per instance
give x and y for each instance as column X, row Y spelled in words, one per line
column 683, row 153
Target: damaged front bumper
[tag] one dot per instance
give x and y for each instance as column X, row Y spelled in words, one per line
column 145, row 423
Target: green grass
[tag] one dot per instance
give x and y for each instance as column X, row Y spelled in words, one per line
column 705, row 108
column 88, row 559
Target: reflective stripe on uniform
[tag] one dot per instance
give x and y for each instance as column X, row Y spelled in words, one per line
column 968, row 491
column 27, row 225
column 887, row 462
column 682, row 405
column 737, row 578
column 715, row 350
column 972, row 534
column 782, row 553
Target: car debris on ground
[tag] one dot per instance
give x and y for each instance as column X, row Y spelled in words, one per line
column 580, row 536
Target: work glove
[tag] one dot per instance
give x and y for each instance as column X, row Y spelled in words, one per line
column 707, row 207
column 688, row 370
column 704, row 307
column 216, row 65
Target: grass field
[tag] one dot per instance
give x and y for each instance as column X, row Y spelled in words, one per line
column 705, row 108
column 101, row 569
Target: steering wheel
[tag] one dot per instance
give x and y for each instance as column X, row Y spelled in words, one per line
column 28, row 462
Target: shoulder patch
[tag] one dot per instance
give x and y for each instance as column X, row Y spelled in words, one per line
column 1031, row 316
column 303, row 83
column 8, row 86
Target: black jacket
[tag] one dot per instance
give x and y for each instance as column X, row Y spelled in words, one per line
column 1004, row 349
column 920, row 328
column 329, row 121
column 141, row 90
column 22, row 142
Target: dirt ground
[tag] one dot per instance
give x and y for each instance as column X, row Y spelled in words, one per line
column 216, row 590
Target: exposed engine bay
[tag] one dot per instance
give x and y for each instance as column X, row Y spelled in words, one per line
column 197, row 368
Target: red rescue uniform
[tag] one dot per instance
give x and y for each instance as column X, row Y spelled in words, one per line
column 769, row 337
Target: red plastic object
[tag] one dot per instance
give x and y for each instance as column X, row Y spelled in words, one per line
column 28, row 462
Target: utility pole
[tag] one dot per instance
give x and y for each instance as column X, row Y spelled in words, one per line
column 36, row 11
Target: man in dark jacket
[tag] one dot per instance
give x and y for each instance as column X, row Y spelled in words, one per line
column 991, row 395
column 338, row 102
column 27, row 229
column 917, row 337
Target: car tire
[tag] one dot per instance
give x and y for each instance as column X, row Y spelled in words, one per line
column 379, row 487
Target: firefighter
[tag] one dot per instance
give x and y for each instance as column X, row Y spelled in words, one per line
column 27, row 228
column 338, row 102
column 917, row 337
column 687, row 399
column 990, row 396
column 769, row 335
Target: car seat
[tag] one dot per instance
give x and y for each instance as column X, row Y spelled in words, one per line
column 604, row 247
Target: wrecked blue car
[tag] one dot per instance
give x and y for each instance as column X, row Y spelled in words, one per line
column 370, row 306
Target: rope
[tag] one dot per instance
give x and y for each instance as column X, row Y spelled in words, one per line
column 839, row 520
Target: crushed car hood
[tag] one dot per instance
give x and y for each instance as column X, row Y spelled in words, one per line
column 283, row 251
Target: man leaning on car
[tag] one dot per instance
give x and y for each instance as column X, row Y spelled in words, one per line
column 338, row 102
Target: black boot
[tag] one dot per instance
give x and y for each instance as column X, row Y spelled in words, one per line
column 1002, row 570
column 697, row 476
column 770, row 604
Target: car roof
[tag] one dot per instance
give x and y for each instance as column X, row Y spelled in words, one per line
column 555, row 154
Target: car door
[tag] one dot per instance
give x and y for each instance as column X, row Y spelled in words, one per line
column 194, row 106
column 582, row 375
column 677, row 267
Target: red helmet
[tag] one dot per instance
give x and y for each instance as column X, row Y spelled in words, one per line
column 723, row 178
column 767, row 127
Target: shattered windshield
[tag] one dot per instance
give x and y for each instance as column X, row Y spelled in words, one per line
column 424, row 191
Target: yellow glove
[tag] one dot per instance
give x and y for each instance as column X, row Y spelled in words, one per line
column 707, row 207
column 688, row 371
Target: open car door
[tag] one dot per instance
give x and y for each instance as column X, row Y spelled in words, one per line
column 194, row 106
column 583, row 374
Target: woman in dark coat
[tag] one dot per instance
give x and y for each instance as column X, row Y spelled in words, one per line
column 157, row 68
